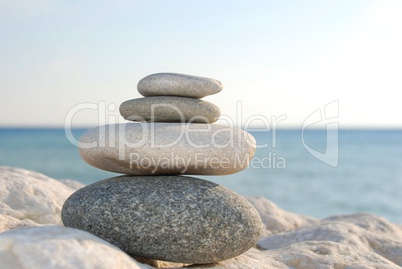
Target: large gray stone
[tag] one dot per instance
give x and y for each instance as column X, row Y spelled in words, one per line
column 172, row 218
column 162, row 84
column 167, row 148
column 170, row 109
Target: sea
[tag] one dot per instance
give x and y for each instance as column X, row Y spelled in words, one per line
column 317, row 173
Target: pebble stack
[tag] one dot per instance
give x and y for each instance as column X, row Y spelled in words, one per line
column 153, row 211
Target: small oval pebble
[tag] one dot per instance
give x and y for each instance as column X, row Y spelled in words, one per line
column 162, row 84
column 170, row 218
column 167, row 148
column 170, row 109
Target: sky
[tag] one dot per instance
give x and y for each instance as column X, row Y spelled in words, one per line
column 76, row 61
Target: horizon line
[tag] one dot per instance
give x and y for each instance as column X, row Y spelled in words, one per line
column 254, row 129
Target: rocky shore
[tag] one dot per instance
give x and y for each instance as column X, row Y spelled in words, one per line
column 32, row 235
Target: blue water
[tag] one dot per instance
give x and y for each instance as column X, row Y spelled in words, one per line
column 368, row 177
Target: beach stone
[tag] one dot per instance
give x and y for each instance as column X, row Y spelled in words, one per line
column 171, row 218
column 162, row 84
column 364, row 231
column 275, row 219
column 167, row 148
column 306, row 255
column 170, row 109
column 326, row 254
column 50, row 247
column 9, row 223
column 252, row 259
column 75, row 185
column 30, row 196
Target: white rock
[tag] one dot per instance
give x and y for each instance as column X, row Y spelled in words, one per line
column 167, row 148
column 275, row 219
column 307, row 255
column 383, row 237
column 8, row 223
column 370, row 233
column 75, row 185
column 328, row 255
column 160, row 264
column 28, row 195
column 334, row 231
column 370, row 223
column 50, row 247
column 173, row 84
column 252, row 259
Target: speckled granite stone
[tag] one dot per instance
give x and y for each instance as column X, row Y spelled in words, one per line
column 167, row 148
column 170, row 109
column 171, row 218
column 162, row 84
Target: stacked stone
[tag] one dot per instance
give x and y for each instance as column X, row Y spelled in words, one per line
column 173, row 98
column 152, row 211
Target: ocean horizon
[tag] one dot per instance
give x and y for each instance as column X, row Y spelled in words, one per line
column 367, row 176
